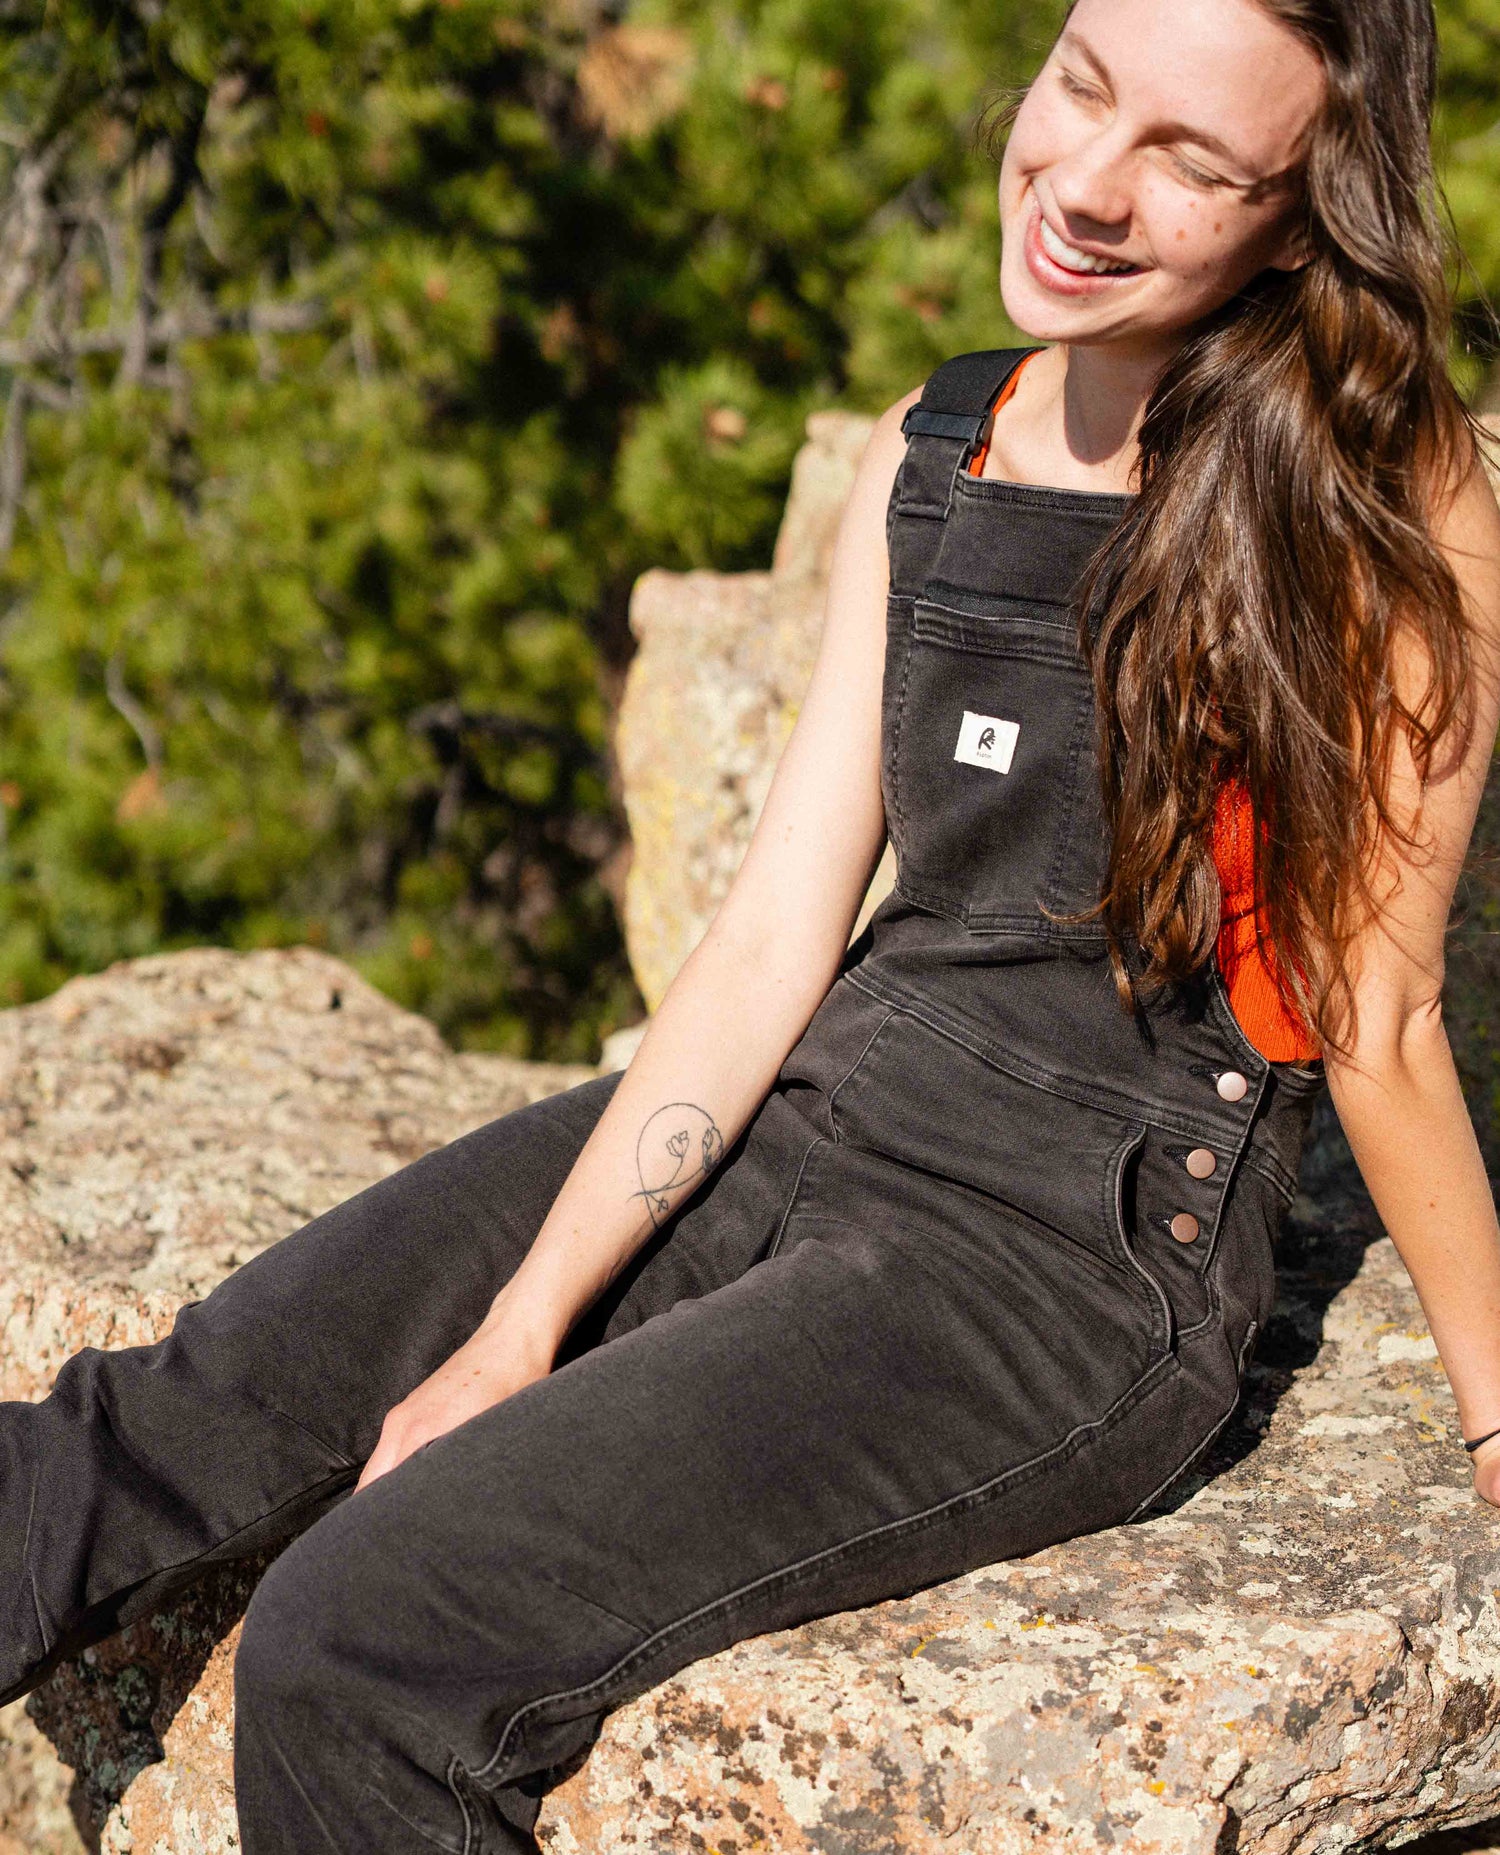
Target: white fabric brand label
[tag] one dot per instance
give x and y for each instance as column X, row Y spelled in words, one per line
column 985, row 740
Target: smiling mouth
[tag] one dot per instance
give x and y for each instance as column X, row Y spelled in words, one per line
column 1081, row 263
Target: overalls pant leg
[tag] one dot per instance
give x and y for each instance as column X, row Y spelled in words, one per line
column 829, row 1379
column 910, row 1380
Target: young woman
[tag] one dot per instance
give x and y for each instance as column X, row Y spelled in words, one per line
column 886, row 1261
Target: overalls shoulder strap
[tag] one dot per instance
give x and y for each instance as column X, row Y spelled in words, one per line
column 942, row 431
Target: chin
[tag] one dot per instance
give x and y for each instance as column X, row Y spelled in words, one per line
column 1035, row 316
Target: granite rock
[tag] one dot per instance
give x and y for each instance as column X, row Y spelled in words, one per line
column 709, row 700
column 1301, row 1653
column 160, row 1123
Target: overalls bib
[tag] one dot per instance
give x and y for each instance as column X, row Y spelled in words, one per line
column 1167, row 1146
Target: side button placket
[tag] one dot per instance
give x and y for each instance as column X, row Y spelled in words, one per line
column 1243, row 1094
column 1199, row 1165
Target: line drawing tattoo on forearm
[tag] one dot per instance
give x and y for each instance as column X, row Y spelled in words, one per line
column 678, row 1146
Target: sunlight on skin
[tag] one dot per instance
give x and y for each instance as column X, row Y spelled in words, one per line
column 1106, row 151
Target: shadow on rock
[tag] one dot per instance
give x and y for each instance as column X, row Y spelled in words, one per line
column 108, row 1711
column 1327, row 1231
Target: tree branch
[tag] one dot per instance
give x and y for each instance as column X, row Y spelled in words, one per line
column 125, row 704
column 165, row 331
column 12, row 462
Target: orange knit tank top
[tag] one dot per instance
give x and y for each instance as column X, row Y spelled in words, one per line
column 1276, row 1033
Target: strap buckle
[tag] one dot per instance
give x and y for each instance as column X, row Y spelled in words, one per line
column 920, row 422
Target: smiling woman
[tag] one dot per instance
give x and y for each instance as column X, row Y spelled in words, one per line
column 1246, row 286
column 1105, row 178
column 888, row 1259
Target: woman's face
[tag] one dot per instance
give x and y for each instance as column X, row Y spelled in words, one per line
column 1165, row 134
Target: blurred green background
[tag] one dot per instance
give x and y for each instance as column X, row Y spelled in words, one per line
column 358, row 355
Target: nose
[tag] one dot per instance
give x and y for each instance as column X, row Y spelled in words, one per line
column 1091, row 186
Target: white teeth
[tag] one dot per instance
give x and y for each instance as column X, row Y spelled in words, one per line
column 1072, row 260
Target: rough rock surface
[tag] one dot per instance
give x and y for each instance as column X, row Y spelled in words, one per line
column 159, row 1123
column 1302, row 1654
column 710, row 698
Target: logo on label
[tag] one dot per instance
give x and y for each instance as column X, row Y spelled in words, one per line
column 986, row 740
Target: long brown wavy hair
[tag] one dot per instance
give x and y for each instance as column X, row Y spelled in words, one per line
column 1242, row 620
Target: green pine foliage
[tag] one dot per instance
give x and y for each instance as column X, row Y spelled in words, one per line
column 360, row 354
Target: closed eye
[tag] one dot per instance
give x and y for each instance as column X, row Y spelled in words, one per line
column 1072, row 85
column 1197, row 175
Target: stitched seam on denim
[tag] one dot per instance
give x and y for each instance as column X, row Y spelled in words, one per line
column 1016, row 604
column 963, row 637
column 1109, row 1271
column 1069, row 809
column 897, row 724
column 1183, row 1466
column 817, row 1140
column 926, row 511
column 1135, row 1393
column 1079, row 1255
column 1259, row 1159
column 1001, row 924
column 458, row 1797
column 195, row 1558
column 1066, row 1088
column 1105, row 1100
column 833, row 1119
column 942, row 905
column 962, row 453
column 1215, row 1311
column 1077, row 502
column 1114, row 1218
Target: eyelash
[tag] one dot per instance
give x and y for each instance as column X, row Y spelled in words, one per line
column 1194, row 174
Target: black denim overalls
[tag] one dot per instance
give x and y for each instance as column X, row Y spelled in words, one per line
column 929, row 1312
column 1057, row 1102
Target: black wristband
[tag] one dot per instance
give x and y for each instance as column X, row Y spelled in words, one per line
column 1480, row 1441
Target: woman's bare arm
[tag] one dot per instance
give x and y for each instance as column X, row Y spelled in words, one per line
column 1399, row 1099
column 741, row 1000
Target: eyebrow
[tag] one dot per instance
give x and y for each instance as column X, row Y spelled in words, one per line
column 1186, row 131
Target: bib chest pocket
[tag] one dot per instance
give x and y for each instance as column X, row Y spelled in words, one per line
column 992, row 783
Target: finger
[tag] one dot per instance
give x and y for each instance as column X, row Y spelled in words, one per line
column 387, row 1453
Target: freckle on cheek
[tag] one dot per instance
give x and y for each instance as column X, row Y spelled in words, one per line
column 1218, row 225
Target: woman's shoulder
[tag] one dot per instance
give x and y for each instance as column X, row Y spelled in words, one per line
column 1464, row 517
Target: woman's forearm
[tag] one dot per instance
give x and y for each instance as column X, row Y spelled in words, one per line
column 706, row 1063
column 1411, row 1135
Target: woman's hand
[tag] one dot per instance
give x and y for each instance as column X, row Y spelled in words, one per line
column 509, row 1350
column 1486, row 1461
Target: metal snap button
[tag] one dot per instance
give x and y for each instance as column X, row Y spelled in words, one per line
column 1201, row 1163
column 1232, row 1086
column 1185, row 1227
